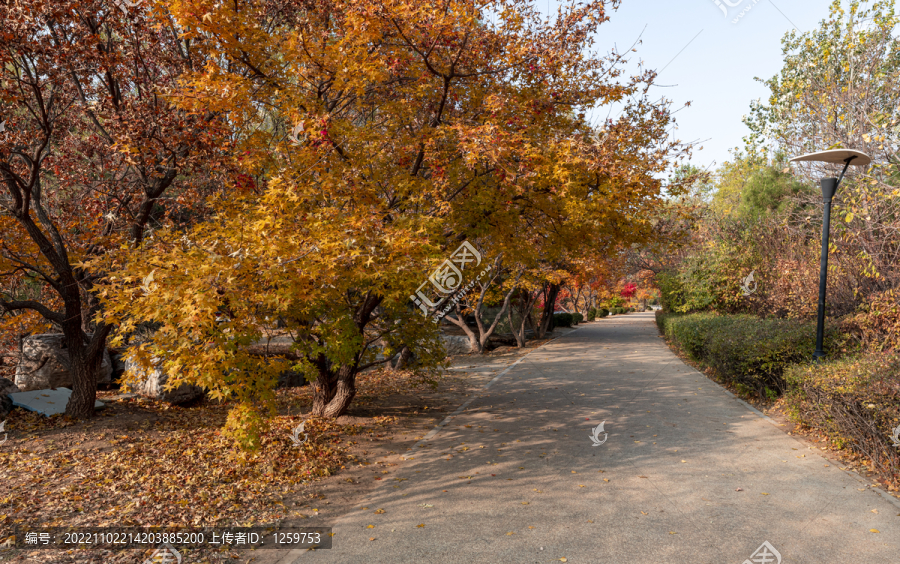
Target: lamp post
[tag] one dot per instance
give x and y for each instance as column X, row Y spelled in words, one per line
column 829, row 189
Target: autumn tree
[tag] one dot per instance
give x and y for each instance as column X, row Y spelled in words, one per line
column 838, row 87
column 91, row 156
column 380, row 136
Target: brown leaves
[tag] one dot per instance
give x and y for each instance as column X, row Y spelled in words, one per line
column 178, row 472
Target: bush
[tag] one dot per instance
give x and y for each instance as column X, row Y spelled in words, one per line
column 743, row 349
column 618, row 310
column 562, row 319
column 603, row 313
column 856, row 401
column 577, row 318
column 592, row 314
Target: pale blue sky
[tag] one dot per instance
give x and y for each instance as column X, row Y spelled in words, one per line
column 716, row 70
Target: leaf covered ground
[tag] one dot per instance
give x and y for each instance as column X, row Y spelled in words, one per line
column 144, row 463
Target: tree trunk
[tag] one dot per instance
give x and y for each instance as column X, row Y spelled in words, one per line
column 459, row 321
column 324, row 391
column 527, row 301
column 344, row 392
column 84, row 386
column 334, row 390
column 485, row 334
column 549, row 308
column 518, row 332
column 84, row 361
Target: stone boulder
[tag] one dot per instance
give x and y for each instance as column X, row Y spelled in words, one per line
column 44, row 364
column 6, row 388
column 455, row 344
column 151, row 384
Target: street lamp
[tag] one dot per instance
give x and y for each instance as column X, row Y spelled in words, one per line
column 829, row 189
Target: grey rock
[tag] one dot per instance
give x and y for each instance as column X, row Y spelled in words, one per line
column 151, row 384
column 6, row 388
column 44, row 363
column 455, row 344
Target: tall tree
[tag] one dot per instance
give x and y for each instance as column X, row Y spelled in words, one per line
column 90, row 147
column 380, row 137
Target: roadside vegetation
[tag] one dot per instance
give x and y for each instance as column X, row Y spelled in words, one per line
column 739, row 287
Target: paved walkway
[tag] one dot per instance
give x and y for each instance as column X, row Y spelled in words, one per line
column 688, row 473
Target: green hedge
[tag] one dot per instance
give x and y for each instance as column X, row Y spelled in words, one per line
column 603, row 313
column 856, row 402
column 743, row 349
column 592, row 314
column 577, row 318
column 562, row 320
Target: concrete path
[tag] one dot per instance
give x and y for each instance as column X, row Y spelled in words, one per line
column 688, row 473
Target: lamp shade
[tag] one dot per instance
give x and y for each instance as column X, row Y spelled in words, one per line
column 837, row 156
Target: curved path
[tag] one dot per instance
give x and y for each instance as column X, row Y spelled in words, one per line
column 688, row 473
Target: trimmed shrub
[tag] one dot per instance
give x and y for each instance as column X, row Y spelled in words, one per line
column 603, row 313
column 562, row 319
column 856, row 401
column 577, row 318
column 592, row 314
column 618, row 310
column 743, row 349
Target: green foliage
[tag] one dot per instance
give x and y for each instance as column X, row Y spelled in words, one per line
column 603, row 313
column 592, row 314
column 577, row 318
column 562, row 319
column 770, row 190
column 744, row 349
